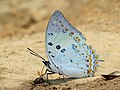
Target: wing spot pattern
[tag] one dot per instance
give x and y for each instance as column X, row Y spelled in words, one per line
column 65, row 30
column 71, row 34
column 62, row 25
column 60, row 21
column 71, row 60
column 63, row 50
column 52, row 56
column 87, row 65
column 48, row 33
column 49, row 52
column 77, row 51
column 77, row 39
column 58, row 47
column 51, row 33
column 87, row 60
column 50, row 44
column 82, row 53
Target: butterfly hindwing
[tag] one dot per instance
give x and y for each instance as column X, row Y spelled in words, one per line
column 66, row 48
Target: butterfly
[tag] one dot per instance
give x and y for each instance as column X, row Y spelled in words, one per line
column 67, row 51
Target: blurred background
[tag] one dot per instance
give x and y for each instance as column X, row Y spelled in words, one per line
column 25, row 17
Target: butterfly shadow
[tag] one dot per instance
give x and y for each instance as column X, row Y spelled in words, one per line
column 60, row 81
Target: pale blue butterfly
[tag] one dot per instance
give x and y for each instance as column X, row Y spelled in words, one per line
column 67, row 51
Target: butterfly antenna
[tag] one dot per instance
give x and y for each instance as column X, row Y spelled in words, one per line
column 35, row 54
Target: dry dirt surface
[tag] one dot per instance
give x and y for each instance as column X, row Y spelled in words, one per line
column 23, row 24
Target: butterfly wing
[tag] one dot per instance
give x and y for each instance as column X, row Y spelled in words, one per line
column 66, row 48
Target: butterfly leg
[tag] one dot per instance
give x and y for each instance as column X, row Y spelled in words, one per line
column 46, row 73
column 41, row 79
column 65, row 80
column 47, row 70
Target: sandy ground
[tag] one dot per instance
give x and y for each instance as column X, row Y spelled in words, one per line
column 23, row 23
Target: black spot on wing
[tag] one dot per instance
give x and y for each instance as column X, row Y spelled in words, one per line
column 63, row 50
column 71, row 60
column 60, row 21
column 49, row 51
column 58, row 47
column 62, row 25
column 50, row 33
column 52, row 56
column 50, row 44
